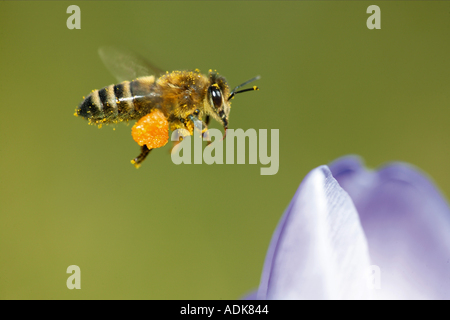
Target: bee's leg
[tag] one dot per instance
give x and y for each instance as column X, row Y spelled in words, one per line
column 141, row 157
column 206, row 134
column 181, row 133
column 200, row 125
column 180, row 129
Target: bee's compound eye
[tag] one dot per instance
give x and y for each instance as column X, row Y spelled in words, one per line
column 216, row 96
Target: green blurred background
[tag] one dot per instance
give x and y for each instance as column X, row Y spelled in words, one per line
column 69, row 194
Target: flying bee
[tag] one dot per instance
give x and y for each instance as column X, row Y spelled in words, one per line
column 175, row 100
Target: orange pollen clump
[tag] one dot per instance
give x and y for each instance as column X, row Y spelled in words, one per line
column 151, row 130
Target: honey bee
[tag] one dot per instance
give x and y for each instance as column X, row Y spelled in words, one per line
column 175, row 100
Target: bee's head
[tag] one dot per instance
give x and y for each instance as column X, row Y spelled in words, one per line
column 218, row 92
column 219, row 97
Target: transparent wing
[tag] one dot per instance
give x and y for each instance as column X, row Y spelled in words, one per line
column 125, row 64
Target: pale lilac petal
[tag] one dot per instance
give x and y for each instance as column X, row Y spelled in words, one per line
column 407, row 225
column 318, row 250
column 250, row 296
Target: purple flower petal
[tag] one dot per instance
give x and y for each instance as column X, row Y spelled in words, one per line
column 407, row 225
column 318, row 250
column 250, row 296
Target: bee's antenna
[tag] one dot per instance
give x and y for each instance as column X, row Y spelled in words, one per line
column 233, row 92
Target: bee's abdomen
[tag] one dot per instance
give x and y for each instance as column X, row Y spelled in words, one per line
column 108, row 105
column 121, row 102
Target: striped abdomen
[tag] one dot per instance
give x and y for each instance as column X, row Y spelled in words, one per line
column 122, row 102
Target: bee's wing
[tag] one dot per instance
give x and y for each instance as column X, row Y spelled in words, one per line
column 126, row 65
